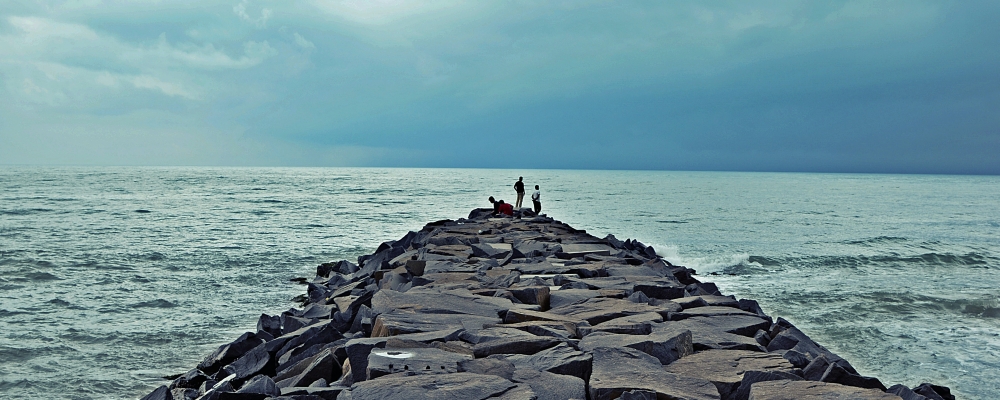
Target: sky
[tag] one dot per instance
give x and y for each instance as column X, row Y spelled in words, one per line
column 888, row 86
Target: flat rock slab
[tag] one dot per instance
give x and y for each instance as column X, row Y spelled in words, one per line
column 810, row 390
column 398, row 323
column 666, row 348
column 598, row 310
column 383, row 362
column 580, row 250
column 707, row 300
column 518, row 344
column 620, row 370
column 711, row 333
column 429, row 301
column 461, row 385
column 725, row 368
column 549, row 386
column 709, row 311
column 561, row 359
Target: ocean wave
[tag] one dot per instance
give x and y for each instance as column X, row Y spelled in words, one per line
column 25, row 211
column 158, row 303
column 703, row 264
column 876, row 240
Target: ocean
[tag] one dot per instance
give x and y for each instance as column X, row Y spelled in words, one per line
column 113, row 277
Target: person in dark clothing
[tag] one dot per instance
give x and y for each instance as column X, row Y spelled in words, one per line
column 496, row 205
column 536, row 198
column 519, row 188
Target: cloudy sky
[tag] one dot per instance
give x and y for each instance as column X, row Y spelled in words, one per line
column 842, row 86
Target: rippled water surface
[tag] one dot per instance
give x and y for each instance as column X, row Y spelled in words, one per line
column 111, row 278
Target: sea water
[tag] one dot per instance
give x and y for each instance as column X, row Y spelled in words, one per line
column 111, row 278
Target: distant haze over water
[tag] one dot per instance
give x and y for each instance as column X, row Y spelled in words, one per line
column 111, row 278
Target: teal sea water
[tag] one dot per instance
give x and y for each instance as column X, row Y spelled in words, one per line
column 111, row 278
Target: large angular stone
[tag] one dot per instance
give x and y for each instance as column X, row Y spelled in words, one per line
column 549, row 386
column 461, row 385
column 514, row 345
column 709, row 311
column 383, row 362
column 561, row 359
column 260, row 384
column 710, row 333
column 250, row 364
column 228, row 353
column 617, row 370
column 358, row 349
column 161, row 393
column 666, row 348
column 514, row 316
column 725, row 368
column 598, row 310
column 429, row 301
column 752, row 377
column 565, row 297
column 570, row 250
column 399, row 323
column 810, row 390
column 324, row 366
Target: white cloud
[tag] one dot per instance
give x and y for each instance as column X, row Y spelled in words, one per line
column 302, row 42
column 205, row 56
column 261, row 22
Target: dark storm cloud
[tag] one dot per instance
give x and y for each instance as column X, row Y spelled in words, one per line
column 908, row 86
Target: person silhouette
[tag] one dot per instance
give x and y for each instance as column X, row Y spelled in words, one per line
column 519, row 188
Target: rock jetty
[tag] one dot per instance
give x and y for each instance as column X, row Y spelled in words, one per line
column 522, row 308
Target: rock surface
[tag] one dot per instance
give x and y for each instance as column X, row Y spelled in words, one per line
column 521, row 308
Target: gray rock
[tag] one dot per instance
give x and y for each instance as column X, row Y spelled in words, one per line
column 561, row 359
column 261, row 384
column 836, row 373
column 323, row 365
column 709, row 311
column 752, row 377
column 565, row 297
column 228, row 353
column 930, row 391
column 810, row 390
column 184, row 393
column 161, row 393
column 619, row 370
column 725, row 368
column 250, row 364
column 383, row 362
column 666, row 348
column 638, row 395
column 191, row 379
column 549, row 386
column 399, row 323
column 600, row 310
column 514, row 345
column 488, row 366
column 310, row 393
column 905, row 393
column 430, row 301
column 461, row 385
column 358, row 349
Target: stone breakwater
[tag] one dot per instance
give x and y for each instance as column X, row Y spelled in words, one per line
column 522, row 308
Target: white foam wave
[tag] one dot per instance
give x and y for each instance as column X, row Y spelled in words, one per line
column 704, row 264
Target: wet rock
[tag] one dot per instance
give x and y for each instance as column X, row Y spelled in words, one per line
column 837, row 373
column 619, row 370
column 928, row 390
column 191, row 379
column 323, row 365
column 260, row 384
column 666, row 348
column 905, row 393
column 752, row 377
column 310, row 393
column 810, row 390
column 725, row 368
column 161, row 393
column 461, row 385
column 184, row 393
column 228, row 353
column 250, row 364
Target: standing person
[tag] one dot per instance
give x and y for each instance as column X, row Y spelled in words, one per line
column 536, row 198
column 519, row 188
